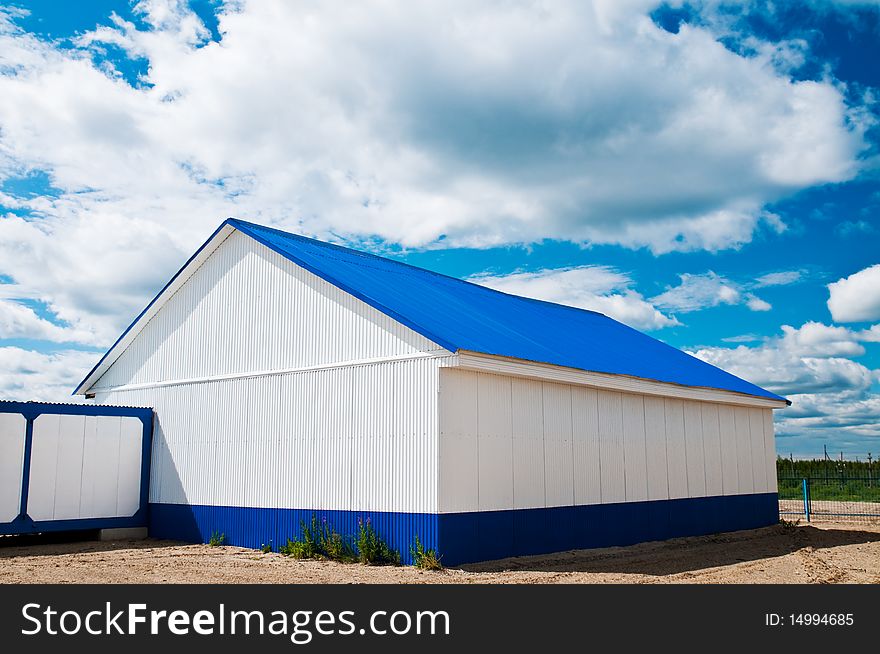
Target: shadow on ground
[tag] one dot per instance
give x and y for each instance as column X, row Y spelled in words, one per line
column 680, row 555
column 70, row 542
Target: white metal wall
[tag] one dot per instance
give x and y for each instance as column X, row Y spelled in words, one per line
column 361, row 437
column 85, row 467
column 249, row 309
column 12, row 435
column 509, row 442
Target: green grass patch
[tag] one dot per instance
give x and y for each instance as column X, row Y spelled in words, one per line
column 318, row 540
column 831, row 489
column 372, row 550
column 424, row 559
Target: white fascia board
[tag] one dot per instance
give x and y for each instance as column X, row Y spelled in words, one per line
column 547, row 372
column 436, row 354
column 182, row 276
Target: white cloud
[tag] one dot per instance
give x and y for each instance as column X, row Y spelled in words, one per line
column 780, row 278
column 831, row 395
column 755, row 303
column 427, row 124
column 597, row 288
column 20, row 321
column 870, row 335
column 818, row 340
column 29, row 375
column 743, row 338
column 787, row 372
column 856, row 298
column 695, row 292
column 486, row 124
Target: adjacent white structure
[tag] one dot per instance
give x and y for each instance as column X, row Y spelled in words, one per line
column 291, row 377
column 73, row 467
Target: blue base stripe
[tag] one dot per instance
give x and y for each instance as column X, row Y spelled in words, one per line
column 480, row 536
column 254, row 527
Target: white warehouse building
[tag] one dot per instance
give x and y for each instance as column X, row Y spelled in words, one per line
column 292, row 378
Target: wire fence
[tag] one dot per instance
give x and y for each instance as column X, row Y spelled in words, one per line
column 830, row 497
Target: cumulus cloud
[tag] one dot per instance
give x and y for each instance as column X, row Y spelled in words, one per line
column 856, row 298
column 818, row 340
column 424, row 124
column 830, row 393
column 757, row 304
column 786, row 372
column 429, row 124
column 20, row 321
column 41, row 376
column 597, row 288
column 701, row 291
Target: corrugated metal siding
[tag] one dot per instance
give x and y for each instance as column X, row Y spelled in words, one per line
column 756, row 433
column 729, row 457
column 85, row 467
column 528, row 439
column 712, row 449
column 350, row 438
column 770, row 450
column 254, row 527
column 696, row 460
column 655, row 446
column 12, row 435
column 249, row 309
column 744, row 474
column 585, row 445
column 495, row 448
column 576, row 445
column 633, row 407
column 459, row 451
column 676, row 450
column 611, row 462
column 556, row 410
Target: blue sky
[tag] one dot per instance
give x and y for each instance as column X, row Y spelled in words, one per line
column 706, row 171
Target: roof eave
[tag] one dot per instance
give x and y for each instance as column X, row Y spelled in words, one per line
column 492, row 363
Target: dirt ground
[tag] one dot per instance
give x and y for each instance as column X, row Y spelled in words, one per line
column 824, row 553
column 828, row 508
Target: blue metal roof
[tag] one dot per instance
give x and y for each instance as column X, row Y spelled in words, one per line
column 459, row 315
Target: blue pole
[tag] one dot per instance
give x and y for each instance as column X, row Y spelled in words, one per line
column 806, row 485
column 26, row 467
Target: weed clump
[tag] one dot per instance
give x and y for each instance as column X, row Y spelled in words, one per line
column 372, row 550
column 318, row 540
column 424, row 559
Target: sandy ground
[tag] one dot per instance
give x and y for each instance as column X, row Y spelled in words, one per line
column 827, row 553
column 831, row 509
